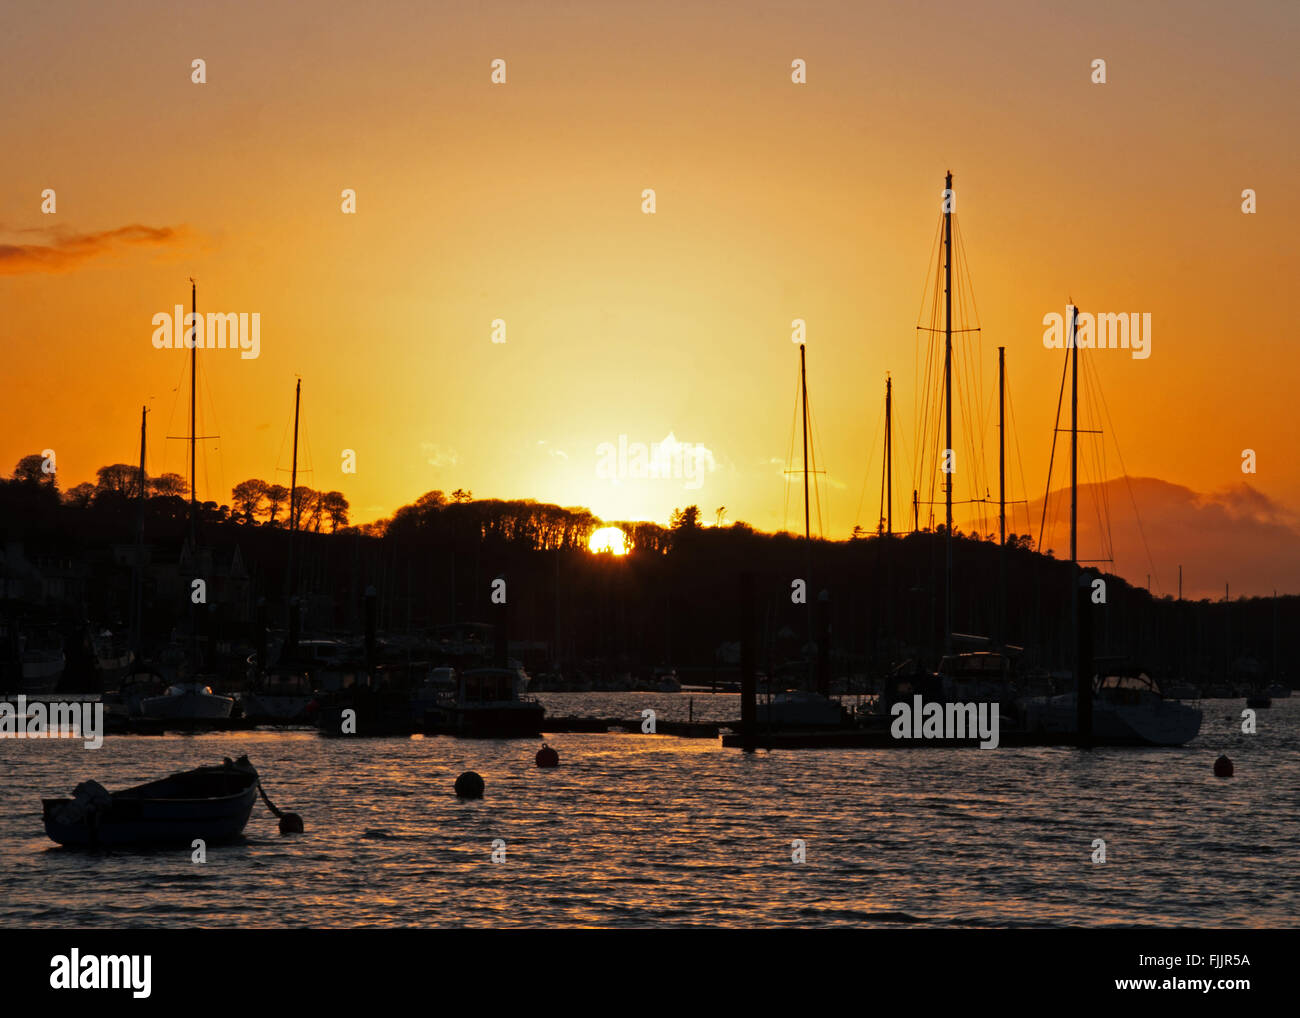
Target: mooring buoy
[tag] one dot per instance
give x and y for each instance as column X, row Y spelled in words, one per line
column 547, row 757
column 290, row 823
column 1223, row 767
column 469, row 786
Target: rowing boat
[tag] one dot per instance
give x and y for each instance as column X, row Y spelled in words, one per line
column 211, row 803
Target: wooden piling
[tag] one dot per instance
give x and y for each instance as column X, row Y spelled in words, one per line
column 1083, row 659
column 748, row 677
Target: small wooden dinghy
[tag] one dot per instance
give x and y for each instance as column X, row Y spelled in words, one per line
column 212, row 803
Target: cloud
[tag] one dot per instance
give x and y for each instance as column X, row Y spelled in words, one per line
column 1237, row 535
column 65, row 251
column 437, row 456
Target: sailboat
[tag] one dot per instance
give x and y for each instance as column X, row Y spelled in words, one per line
column 284, row 696
column 802, row 708
column 1124, row 706
column 190, row 697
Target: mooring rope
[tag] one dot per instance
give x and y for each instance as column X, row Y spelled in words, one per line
column 289, row 822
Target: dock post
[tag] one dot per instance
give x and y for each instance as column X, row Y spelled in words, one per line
column 824, row 643
column 371, row 607
column 1083, row 660
column 748, row 684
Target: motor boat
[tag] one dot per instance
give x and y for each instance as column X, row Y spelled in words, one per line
column 487, row 702
column 280, row 698
column 797, row 708
column 1127, row 709
column 188, row 701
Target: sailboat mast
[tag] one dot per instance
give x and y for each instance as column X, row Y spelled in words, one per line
column 1002, row 446
column 293, row 518
column 1002, row 492
column 889, row 456
column 136, row 585
column 1074, row 436
column 947, row 393
column 194, row 431
column 1081, row 613
column 803, row 386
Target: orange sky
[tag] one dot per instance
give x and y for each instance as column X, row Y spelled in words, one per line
column 522, row 202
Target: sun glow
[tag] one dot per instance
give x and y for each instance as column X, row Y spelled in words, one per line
column 610, row 539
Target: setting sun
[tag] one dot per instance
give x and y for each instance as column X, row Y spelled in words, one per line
column 610, row 539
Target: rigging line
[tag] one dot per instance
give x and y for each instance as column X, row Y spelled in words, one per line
column 1101, row 497
column 920, row 410
column 789, row 458
column 1094, row 415
column 1091, row 463
column 867, row 471
column 921, row 420
column 1132, row 498
column 206, row 389
column 1015, row 430
column 813, row 443
column 171, row 418
column 1052, row 458
column 974, row 305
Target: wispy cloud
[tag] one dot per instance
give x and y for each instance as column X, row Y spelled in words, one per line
column 437, row 456
column 1237, row 535
column 63, row 250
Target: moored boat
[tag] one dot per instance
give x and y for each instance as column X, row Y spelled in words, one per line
column 188, row 701
column 1128, row 709
column 488, row 702
column 211, row 803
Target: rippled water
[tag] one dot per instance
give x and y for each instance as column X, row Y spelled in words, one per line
column 639, row 830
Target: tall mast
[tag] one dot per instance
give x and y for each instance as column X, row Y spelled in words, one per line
column 1074, row 436
column 136, row 584
column 194, row 431
column 293, row 519
column 1081, row 613
column 947, row 393
column 1002, row 491
column 803, row 386
column 1002, row 446
column 889, row 457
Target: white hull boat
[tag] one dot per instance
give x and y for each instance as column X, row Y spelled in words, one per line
column 798, row 709
column 1126, row 710
column 188, row 701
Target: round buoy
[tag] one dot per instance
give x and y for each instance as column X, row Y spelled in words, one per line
column 290, row 823
column 1223, row 767
column 469, row 786
column 547, row 757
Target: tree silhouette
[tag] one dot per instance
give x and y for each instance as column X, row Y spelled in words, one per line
column 685, row 519
column 247, row 497
column 276, row 496
column 169, row 484
column 30, row 470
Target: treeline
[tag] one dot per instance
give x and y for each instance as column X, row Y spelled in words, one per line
column 252, row 502
column 671, row 600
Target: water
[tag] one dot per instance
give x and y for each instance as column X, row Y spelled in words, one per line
column 638, row 830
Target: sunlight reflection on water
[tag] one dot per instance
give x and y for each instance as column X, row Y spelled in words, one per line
column 635, row 830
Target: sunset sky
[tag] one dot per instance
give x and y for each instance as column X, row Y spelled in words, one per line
column 775, row 201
